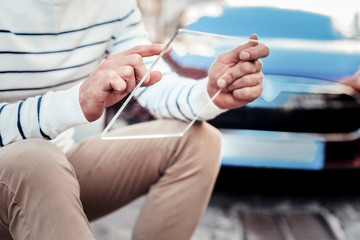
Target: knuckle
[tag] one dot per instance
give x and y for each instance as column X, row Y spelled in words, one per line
column 266, row 50
column 237, row 94
column 259, row 91
column 136, row 48
column 256, row 92
column 222, row 56
column 105, row 65
column 229, row 77
column 127, row 72
column 261, row 77
column 111, row 57
column 112, row 75
column 136, row 58
column 246, row 67
column 247, row 80
column 247, row 94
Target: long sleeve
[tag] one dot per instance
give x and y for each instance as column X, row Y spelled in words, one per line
column 179, row 98
column 41, row 65
column 43, row 116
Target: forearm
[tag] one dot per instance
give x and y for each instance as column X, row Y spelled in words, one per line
column 40, row 117
column 179, row 98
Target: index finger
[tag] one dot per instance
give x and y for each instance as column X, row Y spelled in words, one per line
column 234, row 55
column 254, row 53
column 146, row 50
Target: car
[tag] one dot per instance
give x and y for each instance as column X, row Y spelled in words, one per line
column 305, row 119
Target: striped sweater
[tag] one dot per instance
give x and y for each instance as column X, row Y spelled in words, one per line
column 48, row 47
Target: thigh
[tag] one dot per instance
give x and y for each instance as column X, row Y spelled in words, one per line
column 4, row 222
column 112, row 173
column 38, row 192
column 23, row 170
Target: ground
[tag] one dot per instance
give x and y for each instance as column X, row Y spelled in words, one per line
column 311, row 206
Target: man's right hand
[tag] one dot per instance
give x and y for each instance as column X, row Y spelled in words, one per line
column 115, row 78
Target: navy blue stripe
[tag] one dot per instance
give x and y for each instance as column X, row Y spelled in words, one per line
column 167, row 105
column 178, row 106
column 69, row 31
column 53, row 70
column 134, row 24
column 1, row 141
column 58, row 51
column 19, row 122
column 128, row 39
column 2, row 108
column 188, row 100
column 44, row 135
column 38, row 114
column 41, row 88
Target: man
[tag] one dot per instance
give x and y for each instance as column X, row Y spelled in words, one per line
column 61, row 64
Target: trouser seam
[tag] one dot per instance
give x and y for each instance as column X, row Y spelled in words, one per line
column 20, row 206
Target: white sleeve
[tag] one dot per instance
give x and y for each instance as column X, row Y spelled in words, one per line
column 43, row 116
column 179, row 98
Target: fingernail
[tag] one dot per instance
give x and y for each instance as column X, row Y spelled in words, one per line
column 221, row 83
column 254, row 36
column 244, row 56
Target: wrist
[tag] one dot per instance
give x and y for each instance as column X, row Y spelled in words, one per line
column 61, row 110
column 202, row 99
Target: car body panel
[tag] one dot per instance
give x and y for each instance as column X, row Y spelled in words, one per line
column 305, row 119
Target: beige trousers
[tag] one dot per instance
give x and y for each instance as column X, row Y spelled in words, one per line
column 45, row 194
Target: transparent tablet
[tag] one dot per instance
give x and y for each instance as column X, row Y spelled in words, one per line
column 192, row 54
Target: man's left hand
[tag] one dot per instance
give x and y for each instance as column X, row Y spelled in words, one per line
column 238, row 74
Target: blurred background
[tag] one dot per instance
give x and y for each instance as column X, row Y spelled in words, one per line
column 291, row 159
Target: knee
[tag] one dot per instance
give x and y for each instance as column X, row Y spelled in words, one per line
column 204, row 142
column 34, row 162
column 203, row 136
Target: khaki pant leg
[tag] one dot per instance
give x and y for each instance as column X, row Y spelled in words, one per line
column 177, row 174
column 39, row 194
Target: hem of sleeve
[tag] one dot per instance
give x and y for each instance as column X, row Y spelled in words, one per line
column 202, row 103
column 62, row 110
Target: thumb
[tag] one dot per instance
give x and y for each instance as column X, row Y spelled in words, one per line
column 155, row 76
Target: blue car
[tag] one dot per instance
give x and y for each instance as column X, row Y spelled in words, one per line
column 305, row 119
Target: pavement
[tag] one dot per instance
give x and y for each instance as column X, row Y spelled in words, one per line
column 311, row 206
